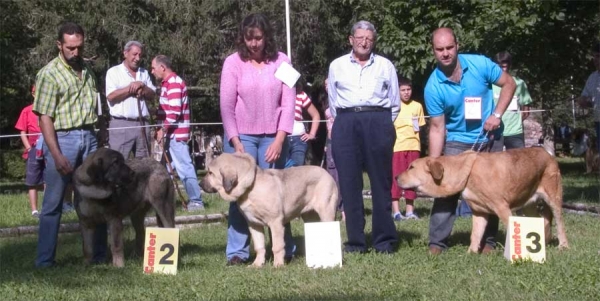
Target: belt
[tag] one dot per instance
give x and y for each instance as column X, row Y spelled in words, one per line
column 87, row 127
column 128, row 119
column 363, row 109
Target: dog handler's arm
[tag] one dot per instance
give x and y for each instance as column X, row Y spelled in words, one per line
column 437, row 135
column 507, row 91
column 61, row 162
column 274, row 151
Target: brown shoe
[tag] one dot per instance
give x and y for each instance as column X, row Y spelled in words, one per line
column 235, row 260
column 434, row 250
column 487, row 250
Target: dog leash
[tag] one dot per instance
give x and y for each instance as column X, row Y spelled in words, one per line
column 477, row 140
column 143, row 128
column 170, row 169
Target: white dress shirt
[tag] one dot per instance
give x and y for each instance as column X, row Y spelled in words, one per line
column 118, row 77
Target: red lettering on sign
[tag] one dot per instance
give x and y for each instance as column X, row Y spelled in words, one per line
column 517, row 240
column 151, row 254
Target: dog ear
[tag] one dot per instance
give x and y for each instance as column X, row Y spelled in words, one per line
column 436, row 169
column 230, row 179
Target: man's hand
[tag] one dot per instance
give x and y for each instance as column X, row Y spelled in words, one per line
column 136, row 88
column 492, row 123
column 63, row 166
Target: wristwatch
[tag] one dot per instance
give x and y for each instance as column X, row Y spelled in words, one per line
column 497, row 115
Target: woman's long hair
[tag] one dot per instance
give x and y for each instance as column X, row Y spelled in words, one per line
column 261, row 22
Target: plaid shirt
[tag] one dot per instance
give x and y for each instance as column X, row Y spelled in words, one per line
column 68, row 100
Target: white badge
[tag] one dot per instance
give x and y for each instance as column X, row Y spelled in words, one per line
column 415, row 123
column 473, row 108
column 514, row 104
column 287, row 74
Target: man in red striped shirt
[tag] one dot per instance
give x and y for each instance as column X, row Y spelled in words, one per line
column 174, row 116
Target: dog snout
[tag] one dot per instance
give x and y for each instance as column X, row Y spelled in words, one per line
column 206, row 187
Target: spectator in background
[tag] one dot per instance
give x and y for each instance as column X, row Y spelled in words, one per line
column 257, row 110
column 28, row 127
column 563, row 135
column 128, row 87
column 299, row 138
column 513, row 117
column 364, row 100
column 459, row 99
column 328, row 151
column 174, row 117
column 407, row 148
column 66, row 102
column 590, row 96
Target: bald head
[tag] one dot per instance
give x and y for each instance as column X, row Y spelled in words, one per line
column 443, row 31
column 445, row 48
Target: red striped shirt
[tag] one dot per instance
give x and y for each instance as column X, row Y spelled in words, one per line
column 302, row 102
column 174, row 110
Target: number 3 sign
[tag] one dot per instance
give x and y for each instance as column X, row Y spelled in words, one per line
column 161, row 250
column 525, row 239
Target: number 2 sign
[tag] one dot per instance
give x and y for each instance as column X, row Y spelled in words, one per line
column 161, row 250
column 525, row 239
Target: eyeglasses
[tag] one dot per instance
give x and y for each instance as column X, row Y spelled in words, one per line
column 363, row 39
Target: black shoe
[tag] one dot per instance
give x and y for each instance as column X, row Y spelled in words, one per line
column 288, row 259
column 235, row 260
column 353, row 249
column 384, row 251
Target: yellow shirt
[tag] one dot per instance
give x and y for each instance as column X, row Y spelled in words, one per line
column 407, row 139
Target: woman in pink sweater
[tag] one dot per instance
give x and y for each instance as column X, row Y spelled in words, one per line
column 257, row 110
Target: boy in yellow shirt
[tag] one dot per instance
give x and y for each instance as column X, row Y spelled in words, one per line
column 407, row 147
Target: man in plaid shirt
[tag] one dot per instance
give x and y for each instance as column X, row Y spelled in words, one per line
column 174, row 114
column 66, row 102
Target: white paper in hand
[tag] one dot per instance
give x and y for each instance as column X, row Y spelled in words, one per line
column 287, row 74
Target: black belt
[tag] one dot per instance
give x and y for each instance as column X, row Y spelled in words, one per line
column 363, row 109
column 128, row 119
column 87, row 127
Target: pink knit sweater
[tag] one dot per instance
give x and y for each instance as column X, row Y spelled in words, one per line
column 253, row 101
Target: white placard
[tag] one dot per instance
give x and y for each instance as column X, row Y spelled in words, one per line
column 323, row 244
column 161, row 250
column 514, row 104
column 287, row 74
column 415, row 123
column 525, row 239
column 473, row 108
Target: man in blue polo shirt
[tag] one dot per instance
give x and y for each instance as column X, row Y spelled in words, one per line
column 459, row 99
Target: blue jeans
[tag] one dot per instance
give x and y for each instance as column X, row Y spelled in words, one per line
column 597, row 127
column 75, row 145
column 444, row 209
column 297, row 151
column 238, row 234
column 182, row 162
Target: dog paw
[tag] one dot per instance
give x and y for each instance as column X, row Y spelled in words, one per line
column 563, row 247
column 257, row 264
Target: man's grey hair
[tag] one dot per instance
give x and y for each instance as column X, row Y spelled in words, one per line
column 164, row 60
column 366, row 25
column 130, row 44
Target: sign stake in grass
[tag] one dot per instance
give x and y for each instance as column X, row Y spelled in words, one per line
column 323, row 244
column 161, row 250
column 525, row 239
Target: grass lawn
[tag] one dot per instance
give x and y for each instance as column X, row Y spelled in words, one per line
column 409, row 274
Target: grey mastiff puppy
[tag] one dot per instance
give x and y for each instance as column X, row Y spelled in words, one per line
column 111, row 188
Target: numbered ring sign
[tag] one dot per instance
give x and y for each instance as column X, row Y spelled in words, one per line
column 525, row 239
column 161, row 250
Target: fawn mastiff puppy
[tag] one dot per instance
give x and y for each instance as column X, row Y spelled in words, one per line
column 111, row 188
column 493, row 183
column 271, row 197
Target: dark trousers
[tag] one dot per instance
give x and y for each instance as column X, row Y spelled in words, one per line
column 443, row 211
column 365, row 140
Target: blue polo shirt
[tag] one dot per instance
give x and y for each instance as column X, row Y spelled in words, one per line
column 443, row 96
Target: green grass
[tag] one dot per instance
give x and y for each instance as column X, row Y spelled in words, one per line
column 409, row 274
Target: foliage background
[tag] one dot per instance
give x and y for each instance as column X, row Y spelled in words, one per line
column 550, row 41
